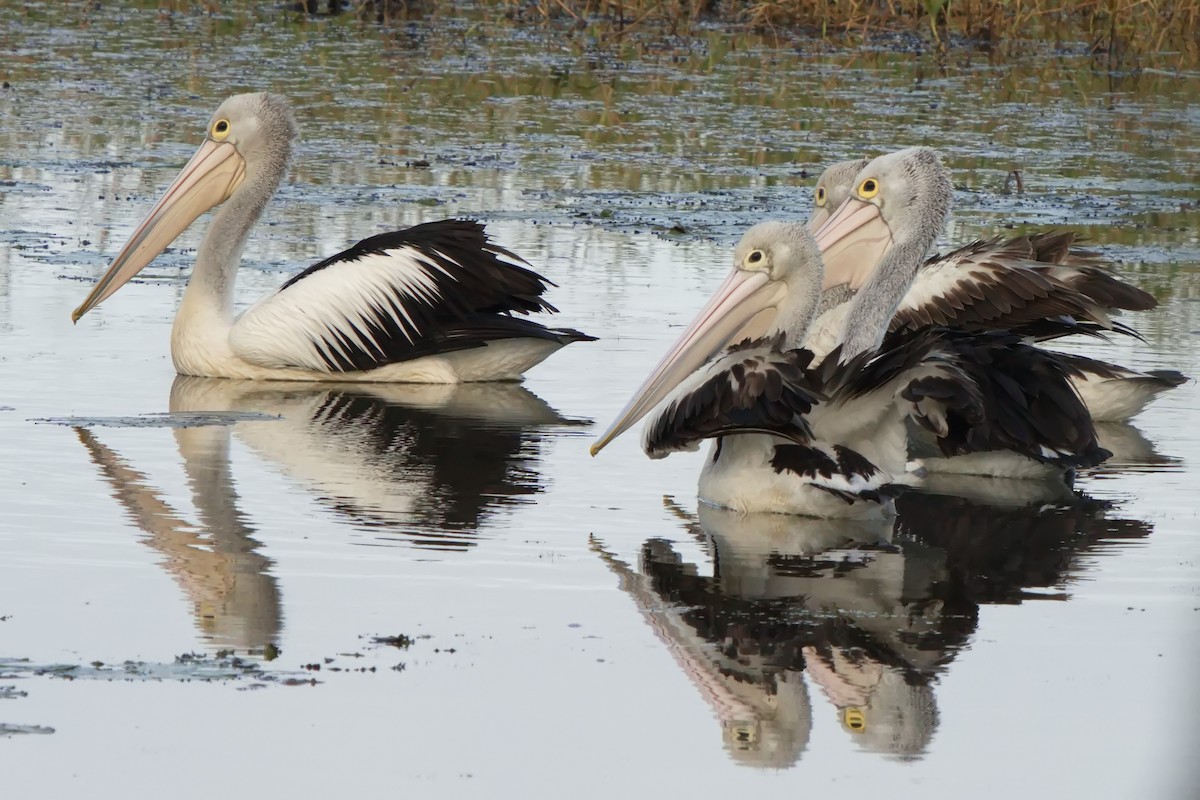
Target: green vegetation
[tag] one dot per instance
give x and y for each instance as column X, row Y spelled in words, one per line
column 1122, row 34
column 1127, row 32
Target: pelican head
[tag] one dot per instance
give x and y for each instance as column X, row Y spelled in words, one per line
column 248, row 139
column 833, row 187
column 899, row 200
column 773, row 286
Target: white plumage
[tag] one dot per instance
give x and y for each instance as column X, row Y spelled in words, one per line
column 312, row 322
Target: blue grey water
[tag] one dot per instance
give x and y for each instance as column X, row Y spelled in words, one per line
column 213, row 586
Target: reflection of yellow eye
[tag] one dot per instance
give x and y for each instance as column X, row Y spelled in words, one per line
column 820, row 195
column 755, row 257
column 868, row 188
column 743, row 735
column 855, row 720
column 220, row 129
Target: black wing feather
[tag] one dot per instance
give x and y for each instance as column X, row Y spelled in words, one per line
column 995, row 391
column 478, row 284
column 1021, row 280
column 756, row 386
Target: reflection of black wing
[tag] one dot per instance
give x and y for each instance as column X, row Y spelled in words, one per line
column 426, row 464
column 466, row 468
column 995, row 555
column 769, row 630
column 871, row 618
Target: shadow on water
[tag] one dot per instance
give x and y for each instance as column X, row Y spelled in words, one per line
column 425, row 466
column 866, row 615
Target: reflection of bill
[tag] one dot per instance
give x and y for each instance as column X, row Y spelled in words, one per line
column 872, row 614
column 427, row 464
column 216, row 562
column 765, row 715
column 876, row 703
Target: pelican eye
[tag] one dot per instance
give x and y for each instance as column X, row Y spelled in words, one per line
column 868, row 188
column 820, row 195
column 220, row 129
column 755, row 257
column 855, row 720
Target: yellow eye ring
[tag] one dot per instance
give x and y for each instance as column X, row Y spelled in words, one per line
column 220, row 130
column 755, row 257
column 855, row 720
column 820, row 196
column 868, row 188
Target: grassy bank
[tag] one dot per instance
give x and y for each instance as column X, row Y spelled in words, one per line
column 1127, row 34
column 1121, row 34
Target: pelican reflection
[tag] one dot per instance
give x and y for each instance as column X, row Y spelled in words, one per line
column 423, row 465
column 865, row 615
column 217, row 561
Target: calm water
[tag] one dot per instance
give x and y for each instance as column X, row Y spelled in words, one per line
column 309, row 590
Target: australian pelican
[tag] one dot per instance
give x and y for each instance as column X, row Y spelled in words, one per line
column 822, row 439
column 1029, row 284
column 431, row 304
column 833, row 187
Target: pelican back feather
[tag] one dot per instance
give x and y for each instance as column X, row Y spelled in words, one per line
column 977, row 392
column 433, row 288
column 756, row 386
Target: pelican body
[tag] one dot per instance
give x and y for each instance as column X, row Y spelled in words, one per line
column 797, row 433
column 431, row 304
column 1017, row 283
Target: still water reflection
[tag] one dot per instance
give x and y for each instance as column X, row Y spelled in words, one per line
column 216, row 560
column 862, row 616
column 420, row 465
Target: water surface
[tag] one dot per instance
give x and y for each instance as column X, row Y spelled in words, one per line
column 300, row 588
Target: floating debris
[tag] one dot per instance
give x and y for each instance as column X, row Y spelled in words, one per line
column 13, row 730
column 174, row 419
column 185, row 668
column 400, row 640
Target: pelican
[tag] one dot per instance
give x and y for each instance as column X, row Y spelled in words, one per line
column 1016, row 283
column 833, row 601
column 833, row 187
column 992, row 283
column 827, row 440
column 430, row 304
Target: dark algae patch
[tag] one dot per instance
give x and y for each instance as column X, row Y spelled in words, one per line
column 400, row 641
column 164, row 420
column 185, row 668
column 7, row 729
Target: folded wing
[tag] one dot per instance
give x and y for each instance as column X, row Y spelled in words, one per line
column 976, row 392
column 1004, row 284
column 433, row 288
column 756, row 386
